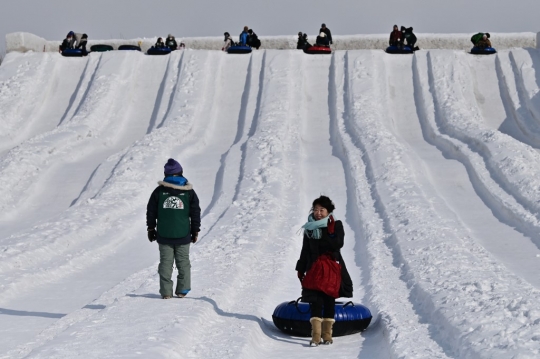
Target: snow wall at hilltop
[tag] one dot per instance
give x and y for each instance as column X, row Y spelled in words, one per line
column 23, row 41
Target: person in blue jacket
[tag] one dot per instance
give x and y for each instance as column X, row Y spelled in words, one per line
column 244, row 36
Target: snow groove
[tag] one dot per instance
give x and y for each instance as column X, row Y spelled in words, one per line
column 403, row 324
column 92, row 64
column 232, row 151
column 512, row 106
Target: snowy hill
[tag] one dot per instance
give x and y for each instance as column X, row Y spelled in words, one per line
column 432, row 161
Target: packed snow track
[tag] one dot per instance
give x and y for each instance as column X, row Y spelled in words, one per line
column 432, row 160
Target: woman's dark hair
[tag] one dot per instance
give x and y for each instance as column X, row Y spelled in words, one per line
column 325, row 202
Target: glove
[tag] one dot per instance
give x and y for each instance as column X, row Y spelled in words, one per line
column 152, row 234
column 301, row 275
column 194, row 237
column 330, row 225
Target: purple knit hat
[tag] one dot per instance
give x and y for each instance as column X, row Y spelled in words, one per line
column 172, row 167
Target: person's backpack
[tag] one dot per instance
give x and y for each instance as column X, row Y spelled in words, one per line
column 254, row 41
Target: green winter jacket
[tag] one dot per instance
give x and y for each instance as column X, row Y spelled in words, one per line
column 476, row 38
column 176, row 212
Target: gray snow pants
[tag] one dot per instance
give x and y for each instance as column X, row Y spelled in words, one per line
column 168, row 254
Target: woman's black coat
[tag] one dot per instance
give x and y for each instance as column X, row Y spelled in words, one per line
column 313, row 248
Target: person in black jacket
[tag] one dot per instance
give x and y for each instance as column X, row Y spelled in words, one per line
column 253, row 40
column 302, row 42
column 68, row 42
column 327, row 32
column 322, row 40
column 409, row 37
column 174, row 208
column 159, row 43
column 82, row 44
column 322, row 235
column 171, row 43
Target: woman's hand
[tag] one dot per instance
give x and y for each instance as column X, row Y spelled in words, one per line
column 301, row 275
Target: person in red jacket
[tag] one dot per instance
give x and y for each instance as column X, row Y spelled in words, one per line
column 396, row 38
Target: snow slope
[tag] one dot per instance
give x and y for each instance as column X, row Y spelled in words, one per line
column 432, row 160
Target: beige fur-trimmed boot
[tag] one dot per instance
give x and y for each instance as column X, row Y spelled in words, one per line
column 316, row 324
column 327, row 324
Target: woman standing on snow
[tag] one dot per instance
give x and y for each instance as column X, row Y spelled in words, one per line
column 323, row 236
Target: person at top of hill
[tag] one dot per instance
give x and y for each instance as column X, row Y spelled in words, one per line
column 396, row 38
column 159, row 43
column 173, row 219
column 323, row 238
column 476, row 38
column 82, row 42
column 327, row 32
column 228, row 42
column 302, row 42
column 244, row 35
column 484, row 42
column 409, row 37
column 322, row 40
column 68, row 42
column 253, row 40
column 171, row 43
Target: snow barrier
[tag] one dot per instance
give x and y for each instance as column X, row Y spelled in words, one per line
column 23, row 41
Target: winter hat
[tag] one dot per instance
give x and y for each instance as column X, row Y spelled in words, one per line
column 323, row 25
column 172, row 167
column 322, row 34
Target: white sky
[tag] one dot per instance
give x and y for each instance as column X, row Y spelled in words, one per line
column 103, row 19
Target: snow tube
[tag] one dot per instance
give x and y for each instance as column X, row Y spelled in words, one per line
column 293, row 318
column 396, row 50
column 158, row 51
column 129, row 47
column 239, row 49
column 72, row 53
column 483, row 51
column 101, row 48
column 316, row 49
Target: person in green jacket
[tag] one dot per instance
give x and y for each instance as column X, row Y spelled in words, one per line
column 174, row 208
column 475, row 39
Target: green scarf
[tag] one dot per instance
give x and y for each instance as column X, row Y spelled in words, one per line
column 312, row 228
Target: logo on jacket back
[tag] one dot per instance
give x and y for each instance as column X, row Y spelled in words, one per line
column 173, row 203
